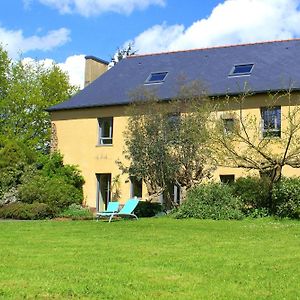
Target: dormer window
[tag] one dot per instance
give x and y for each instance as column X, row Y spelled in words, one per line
column 243, row 69
column 156, row 77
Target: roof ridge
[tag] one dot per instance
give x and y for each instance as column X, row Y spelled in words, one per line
column 214, row 47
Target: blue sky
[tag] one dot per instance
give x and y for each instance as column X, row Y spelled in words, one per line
column 65, row 31
column 98, row 34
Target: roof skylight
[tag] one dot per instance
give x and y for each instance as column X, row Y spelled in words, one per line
column 156, row 77
column 244, row 69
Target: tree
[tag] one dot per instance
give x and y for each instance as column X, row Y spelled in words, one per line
column 122, row 53
column 258, row 141
column 26, row 90
column 166, row 143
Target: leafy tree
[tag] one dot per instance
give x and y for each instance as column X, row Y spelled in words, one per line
column 15, row 160
column 122, row 53
column 246, row 145
column 26, row 90
column 166, row 143
column 4, row 78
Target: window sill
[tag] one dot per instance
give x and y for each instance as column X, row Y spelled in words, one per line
column 270, row 138
column 104, row 145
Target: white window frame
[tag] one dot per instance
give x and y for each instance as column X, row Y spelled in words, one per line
column 102, row 139
column 270, row 132
column 227, row 129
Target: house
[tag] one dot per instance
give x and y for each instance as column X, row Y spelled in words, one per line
column 88, row 128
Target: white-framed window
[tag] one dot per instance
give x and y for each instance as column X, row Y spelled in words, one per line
column 241, row 70
column 156, row 77
column 271, row 121
column 105, row 131
column 136, row 187
column 228, row 124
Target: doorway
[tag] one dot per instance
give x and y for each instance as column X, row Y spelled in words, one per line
column 103, row 191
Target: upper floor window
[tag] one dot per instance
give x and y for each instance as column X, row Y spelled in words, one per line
column 156, row 77
column 228, row 125
column 173, row 120
column 271, row 121
column 105, row 131
column 244, row 69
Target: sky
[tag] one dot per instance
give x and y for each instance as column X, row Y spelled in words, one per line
column 65, row 31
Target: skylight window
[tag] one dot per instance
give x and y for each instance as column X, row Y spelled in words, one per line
column 156, row 77
column 244, row 69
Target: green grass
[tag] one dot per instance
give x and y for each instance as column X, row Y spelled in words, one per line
column 150, row 258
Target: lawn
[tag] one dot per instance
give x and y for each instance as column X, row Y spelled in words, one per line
column 150, row 258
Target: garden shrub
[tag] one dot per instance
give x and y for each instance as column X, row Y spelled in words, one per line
column 254, row 192
column 15, row 153
column 211, row 201
column 286, row 198
column 15, row 160
column 53, row 191
column 9, row 197
column 147, row 209
column 53, row 167
column 26, row 211
column 76, row 212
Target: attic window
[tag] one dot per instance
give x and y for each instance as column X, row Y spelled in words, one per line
column 244, row 69
column 156, row 77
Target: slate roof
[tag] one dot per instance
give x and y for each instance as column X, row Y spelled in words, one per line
column 276, row 67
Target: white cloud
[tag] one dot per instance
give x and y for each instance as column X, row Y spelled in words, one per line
column 231, row 22
column 16, row 43
column 157, row 38
column 95, row 7
column 73, row 66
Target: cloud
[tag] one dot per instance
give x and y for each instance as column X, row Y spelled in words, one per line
column 231, row 22
column 74, row 66
column 95, row 7
column 15, row 42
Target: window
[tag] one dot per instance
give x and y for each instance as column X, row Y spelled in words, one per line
column 156, row 77
column 173, row 120
column 228, row 125
column 173, row 191
column 244, row 69
column 105, row 131
column 227, row 178
column 136, row 187
column 271, row 121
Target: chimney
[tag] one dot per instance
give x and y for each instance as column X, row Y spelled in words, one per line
column 94, row 67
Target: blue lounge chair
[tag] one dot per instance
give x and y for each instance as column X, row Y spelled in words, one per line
column 127, row 210
column 112, row 207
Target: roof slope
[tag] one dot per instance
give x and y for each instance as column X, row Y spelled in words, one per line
column 276, row 67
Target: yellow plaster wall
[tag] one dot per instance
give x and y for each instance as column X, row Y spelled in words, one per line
column 93, row 69
column 77, row 138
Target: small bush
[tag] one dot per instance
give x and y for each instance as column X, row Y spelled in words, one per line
column 211, row 201
column 52, row 166
column 147, row 209
column 53, row 191
column 76, row 212
column 286, row 198
column 25, row 211
column 254, row 193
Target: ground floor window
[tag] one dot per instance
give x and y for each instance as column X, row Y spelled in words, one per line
column 136, row 187
column 229, row 178
column 174, row 192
